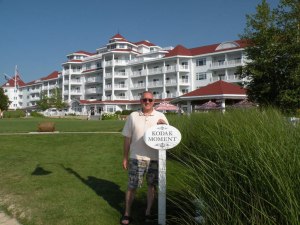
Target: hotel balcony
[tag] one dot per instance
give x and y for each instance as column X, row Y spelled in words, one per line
column 93, row 80
column 155, row 84
column 121, row 97
column 230, row 78
column 183, row 68
column 170, row 69
column 73, row 81
column 171, row 95
column 73, row 92
column 68, row 72
column 137, row 73
column 93, row 90
column 36, row 90
column 120, row 86
column 138, row 86
column 225, row 64
column 155, row 71
column 171, row 82
column 117, row 75
column 121, row 74
column 184, row 82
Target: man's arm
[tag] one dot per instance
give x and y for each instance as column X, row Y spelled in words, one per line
column 126, row 148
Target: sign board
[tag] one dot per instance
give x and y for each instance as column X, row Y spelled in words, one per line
column 162, row 137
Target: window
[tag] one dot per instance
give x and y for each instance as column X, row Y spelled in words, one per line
column 184, row 91
column 122, row 45
column 201, row 62
column 201, row 76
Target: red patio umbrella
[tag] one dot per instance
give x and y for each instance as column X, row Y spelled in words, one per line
column 165, row 106
column 207, row 105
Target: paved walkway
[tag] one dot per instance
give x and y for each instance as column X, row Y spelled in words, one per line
column 6, row 220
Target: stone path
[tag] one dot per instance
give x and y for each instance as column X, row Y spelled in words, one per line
column 6, row 220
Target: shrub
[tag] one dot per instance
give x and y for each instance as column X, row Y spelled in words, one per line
column 109, row 116
column 14, row 114
column 36, row 114
column 127, row 112
column 243, row 168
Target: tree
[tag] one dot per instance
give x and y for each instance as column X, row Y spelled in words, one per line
column 273, row 52
column 54, row 101
column 4, row 101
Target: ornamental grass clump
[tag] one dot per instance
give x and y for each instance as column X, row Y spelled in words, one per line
column 242, row 168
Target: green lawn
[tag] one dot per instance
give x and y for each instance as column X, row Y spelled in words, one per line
column 62, row 179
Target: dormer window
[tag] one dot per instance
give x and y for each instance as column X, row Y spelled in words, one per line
column 121, row 45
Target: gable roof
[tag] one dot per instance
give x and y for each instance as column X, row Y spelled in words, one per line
column 11, row 82
column 217, row 88
column 119, row 37
column 229, row 45
column 179, row 50
column 147, row 43
column 51, row 76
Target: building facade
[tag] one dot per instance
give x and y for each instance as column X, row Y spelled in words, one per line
column 114, row 77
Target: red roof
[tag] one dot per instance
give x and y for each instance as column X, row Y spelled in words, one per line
column 179, row 50
column 118, row 36
column 11, row 82
column 147, row 43
column 84, row 52
column 52, row 75
column 217, row 88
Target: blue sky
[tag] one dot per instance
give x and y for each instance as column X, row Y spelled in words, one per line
column 37, row 35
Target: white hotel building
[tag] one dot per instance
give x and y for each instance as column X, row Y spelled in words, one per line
column 115, row 76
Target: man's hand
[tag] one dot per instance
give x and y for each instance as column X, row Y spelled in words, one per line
column 125, row 163
column 161, row 121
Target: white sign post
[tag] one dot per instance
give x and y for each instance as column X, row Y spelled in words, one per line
column 162, row 137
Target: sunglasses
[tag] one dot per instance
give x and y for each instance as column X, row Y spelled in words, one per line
column 147, row 100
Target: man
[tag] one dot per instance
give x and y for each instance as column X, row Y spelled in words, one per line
column 140, row 159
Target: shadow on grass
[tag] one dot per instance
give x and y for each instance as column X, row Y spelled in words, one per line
column 40, row 171
column 108, row 190
column 113, row 195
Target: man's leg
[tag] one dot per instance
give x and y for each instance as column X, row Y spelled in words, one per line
column 129, row 200
column 150, row 199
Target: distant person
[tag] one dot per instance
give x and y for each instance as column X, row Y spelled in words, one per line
column 139, row 159
column 1, row 114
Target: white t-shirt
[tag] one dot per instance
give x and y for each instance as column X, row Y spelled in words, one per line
column 136, row 125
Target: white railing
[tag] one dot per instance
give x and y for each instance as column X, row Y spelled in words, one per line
column 74, row 91
column 171, row 95
column 171, row 82
column 93, row 80
column 139, row 85
column 121, row 74
column 93, row 90
column 183, row 67
column 75, row 81
column 121, row 62
column 184, row 81
column 170, row 69
column 108, row 75
column 136, row 73
column 120, row 86
column 155, row 84
column 121, row 97
column 154, row 71
column 228, row 63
